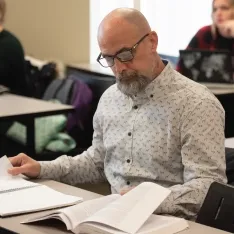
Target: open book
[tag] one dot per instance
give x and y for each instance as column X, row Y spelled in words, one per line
column 130, row 213
column 18, row 195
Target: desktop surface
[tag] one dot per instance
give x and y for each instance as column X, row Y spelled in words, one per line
column 12, row 105
column 92, row 67
column 13, row 223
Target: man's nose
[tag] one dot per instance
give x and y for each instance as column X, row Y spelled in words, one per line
column 119, row 66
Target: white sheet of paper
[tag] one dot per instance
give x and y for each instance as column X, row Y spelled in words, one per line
column 229, row 142
column 18, row 195
column 34, row 199
column 129, row 212
column 5, row 164
column 154, row 224
column 9, row 182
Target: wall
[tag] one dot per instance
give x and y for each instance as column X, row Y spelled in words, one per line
column 57, row 29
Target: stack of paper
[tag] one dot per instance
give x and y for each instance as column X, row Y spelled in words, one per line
column 18, row 195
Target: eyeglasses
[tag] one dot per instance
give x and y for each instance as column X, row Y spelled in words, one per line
column 124, row 55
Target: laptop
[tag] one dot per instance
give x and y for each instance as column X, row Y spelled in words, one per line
column 211, row 68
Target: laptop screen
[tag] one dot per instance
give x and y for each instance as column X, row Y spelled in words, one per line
column 207, row 66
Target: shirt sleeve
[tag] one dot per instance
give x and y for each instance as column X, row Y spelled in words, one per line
column 87, row 167
column 203, row 158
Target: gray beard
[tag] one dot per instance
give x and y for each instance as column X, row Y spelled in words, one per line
column 133, row 84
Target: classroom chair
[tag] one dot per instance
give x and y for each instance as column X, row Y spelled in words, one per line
column 218, row 207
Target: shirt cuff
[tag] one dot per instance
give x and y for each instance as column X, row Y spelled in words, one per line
column 46, row 169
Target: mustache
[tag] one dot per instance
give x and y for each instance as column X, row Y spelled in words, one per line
column 131, row 83
column 127, row 75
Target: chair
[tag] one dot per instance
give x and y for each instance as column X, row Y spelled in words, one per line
column 218, row 207
column 98, row 83
column 229, row 152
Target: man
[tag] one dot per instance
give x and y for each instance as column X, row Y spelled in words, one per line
column 153, row 125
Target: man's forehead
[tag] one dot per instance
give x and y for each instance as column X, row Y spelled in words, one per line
column 110, row 45
column 115, row 34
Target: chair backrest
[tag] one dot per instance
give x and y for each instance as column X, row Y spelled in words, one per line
column 218, row 207
column 98, row 83
column 39, row 79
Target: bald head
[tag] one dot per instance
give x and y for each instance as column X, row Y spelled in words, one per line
column 128, row 46
column 123, row 21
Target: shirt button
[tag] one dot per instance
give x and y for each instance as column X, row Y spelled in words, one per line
column 128, row 161
column 128, row 182
column 151, row 95
column 135, row 107
column 129, row 133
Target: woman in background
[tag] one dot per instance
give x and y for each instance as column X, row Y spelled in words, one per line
column 219, row 35
column 12, row 63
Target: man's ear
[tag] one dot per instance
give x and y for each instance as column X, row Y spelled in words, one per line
column 154, row 41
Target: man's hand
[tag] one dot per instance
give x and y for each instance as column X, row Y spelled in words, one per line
column 226, row 29
column 125, row 190
column 25, row 165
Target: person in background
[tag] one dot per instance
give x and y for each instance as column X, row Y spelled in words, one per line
column 152, row 125
column 12, row 62
column 219, row 35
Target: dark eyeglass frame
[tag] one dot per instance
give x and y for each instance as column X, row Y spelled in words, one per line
column 131, row 50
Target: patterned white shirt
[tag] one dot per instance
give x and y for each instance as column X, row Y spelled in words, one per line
column 172, row 133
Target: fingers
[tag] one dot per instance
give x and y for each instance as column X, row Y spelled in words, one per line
column 123, row 191
column 227, row 29
column 16, row 170
column 18, row 159
column 19, row 164
column 23, row 164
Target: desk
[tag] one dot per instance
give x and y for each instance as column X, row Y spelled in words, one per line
column 92, row 68
column 18, row 108
column 13, row 223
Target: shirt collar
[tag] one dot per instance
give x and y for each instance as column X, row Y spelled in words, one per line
column 159, row 84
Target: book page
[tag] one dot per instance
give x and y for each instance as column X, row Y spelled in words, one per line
column 74, row 215
column 229, row 142
column 9, row 182
column 129, row 212
column 154, row 224
column 163, row 224
column 5, row 164
column 80, row 212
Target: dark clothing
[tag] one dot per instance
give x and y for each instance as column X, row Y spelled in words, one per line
column 203, row 39
column 230, row 165
column 12, row 64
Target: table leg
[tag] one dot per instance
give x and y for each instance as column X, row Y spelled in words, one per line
column 31, row 137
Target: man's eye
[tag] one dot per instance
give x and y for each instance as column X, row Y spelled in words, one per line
column 107, row 58
column 125, row 55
